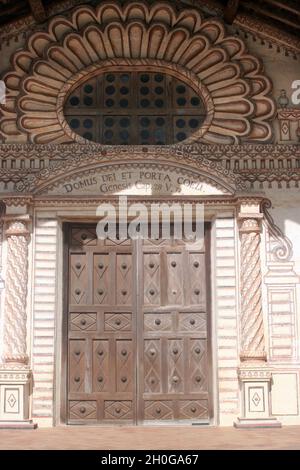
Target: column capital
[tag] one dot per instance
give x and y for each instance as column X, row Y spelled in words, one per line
column 250, row 208
column 17, row 225
column 249, row 223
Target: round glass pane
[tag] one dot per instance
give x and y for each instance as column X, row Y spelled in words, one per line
column 74, row 123
column 74, row 100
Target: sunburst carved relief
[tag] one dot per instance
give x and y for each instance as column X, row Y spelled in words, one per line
column 232, row 82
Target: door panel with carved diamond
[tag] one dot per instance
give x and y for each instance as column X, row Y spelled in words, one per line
column 101, row 329
column 173, row 349
column 138, row 323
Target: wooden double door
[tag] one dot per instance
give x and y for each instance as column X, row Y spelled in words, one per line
column 137, row 322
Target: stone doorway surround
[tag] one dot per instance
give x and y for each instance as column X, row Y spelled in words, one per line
column 33, row 230
column 45, row 183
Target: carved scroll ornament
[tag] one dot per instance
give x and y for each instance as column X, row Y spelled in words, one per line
column 282, row 248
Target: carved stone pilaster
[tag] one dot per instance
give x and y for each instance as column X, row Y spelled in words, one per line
column 2, row 212
column 15, row 318
column 255, row 376
column 15, row 373
column 251, row 324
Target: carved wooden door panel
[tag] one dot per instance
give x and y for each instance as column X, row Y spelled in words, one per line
column 173, row 348
column 137, row 330
column 101, row 329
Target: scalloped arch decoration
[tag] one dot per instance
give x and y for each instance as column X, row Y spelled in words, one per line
column 235, row 88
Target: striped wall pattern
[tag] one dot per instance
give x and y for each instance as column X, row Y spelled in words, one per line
column 282, row 323
column 226, row 315
column 44, row 312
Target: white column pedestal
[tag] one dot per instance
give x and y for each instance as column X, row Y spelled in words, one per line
column 256, row 388
column 15, row 388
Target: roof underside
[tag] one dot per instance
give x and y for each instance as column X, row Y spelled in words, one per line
column 282, row 14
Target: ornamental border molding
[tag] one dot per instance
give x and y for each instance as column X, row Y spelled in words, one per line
column 16, row 200
column 250, row 373
column 271, row 163
column 212, row 152
column 226, row 201
column 172, row 157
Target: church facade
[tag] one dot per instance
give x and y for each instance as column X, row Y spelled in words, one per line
column 151, row 104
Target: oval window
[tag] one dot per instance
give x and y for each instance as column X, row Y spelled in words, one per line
column 138, row 108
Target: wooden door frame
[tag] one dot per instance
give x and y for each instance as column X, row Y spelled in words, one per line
column 64, row 339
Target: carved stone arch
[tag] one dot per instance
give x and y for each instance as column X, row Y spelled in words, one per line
column 180, row 160
column 238, row 92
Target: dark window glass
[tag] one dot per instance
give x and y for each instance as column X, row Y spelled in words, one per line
column 139, row 108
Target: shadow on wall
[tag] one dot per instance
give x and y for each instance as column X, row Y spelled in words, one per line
column 288, row 220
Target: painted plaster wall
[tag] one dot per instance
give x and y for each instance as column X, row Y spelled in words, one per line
column 282, row 309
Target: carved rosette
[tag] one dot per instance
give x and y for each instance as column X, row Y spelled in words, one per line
column 252, row 328
column 17, row 235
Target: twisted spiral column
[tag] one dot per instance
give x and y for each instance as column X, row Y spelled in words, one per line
column 15, row 320
column 252, row 328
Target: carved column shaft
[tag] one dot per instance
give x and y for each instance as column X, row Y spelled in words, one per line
column 254, row 374
column 252, row 328
column 15, row 348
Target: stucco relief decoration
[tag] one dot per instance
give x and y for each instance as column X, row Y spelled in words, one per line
column 175, row 156
column 16, row 292
column 281, row 245
column 252, row 328
column 231, row 81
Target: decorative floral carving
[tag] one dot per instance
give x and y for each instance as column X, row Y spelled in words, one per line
column 16, row 292
column 239, row 90
column 252, row 328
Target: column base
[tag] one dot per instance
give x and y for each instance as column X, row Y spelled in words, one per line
column 255, row 381
column 15, row 389
column 244, row 423
column 27, row 424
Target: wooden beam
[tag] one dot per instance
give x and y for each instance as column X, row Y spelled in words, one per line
column 11, row 9
column 270, row 14
column 231, row 10
column 284, row 6
column 38, row 11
